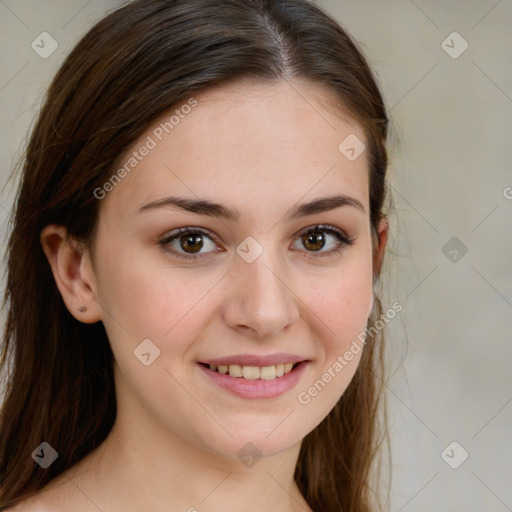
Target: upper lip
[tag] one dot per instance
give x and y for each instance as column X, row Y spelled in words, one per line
column 256, row 360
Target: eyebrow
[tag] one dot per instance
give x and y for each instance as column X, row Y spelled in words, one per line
column 212, row 209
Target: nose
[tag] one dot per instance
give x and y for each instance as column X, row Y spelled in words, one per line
column 260, row 297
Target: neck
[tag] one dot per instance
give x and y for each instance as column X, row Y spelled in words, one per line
column 177, row 476
column 142, row 466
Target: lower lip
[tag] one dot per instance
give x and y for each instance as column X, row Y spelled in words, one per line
column 256, row 388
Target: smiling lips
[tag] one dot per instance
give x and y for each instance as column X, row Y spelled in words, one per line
column 256, row 377
column 254, row 372
column 254, row 367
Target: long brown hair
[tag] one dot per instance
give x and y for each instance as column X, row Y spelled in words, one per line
column 133, row 65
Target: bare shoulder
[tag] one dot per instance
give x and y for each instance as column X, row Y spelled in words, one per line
column 69, row 491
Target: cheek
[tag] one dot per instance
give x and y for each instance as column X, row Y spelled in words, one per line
column 343, row 303
column 342, row 306
column 142, row 299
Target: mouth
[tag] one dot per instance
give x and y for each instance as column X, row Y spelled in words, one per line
column 252, row 381
column 253, row 372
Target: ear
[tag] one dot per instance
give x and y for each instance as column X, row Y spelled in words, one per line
column 73, row 272
column 380, row 246
column 379, row 242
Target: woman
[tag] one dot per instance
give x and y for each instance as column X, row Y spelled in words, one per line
column 197, row 234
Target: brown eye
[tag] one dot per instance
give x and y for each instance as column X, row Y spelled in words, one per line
column 319, row 237
column 191, row 243
column 313, row 240
column 188, row 242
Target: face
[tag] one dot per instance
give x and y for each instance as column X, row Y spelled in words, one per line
column 242, row 276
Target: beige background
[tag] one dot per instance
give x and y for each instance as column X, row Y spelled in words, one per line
column 451, row 153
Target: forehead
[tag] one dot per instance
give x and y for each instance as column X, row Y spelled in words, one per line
column 245, row 143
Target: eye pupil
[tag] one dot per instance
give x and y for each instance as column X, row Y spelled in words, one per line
column 314, row 238
column 193, row 242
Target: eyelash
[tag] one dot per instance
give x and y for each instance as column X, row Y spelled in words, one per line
column 343, row 241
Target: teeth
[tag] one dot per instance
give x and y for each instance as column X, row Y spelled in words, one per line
column 235, row 370
column 253, row 372
column 268, row 372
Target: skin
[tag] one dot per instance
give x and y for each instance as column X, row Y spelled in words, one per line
column 261, row 149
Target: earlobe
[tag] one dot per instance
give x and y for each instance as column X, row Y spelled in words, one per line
column 70, row 264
